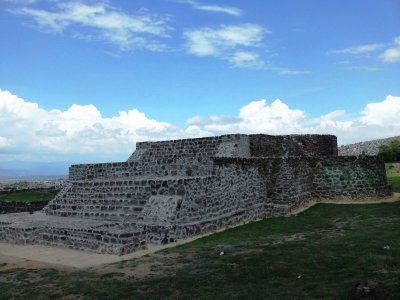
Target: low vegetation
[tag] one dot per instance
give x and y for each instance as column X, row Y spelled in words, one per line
column 390, row 152
column 28, row 196
column 393, row 176
column 329, row 251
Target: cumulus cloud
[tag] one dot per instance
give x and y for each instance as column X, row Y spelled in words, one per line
column 384, row 113
column 81, row 129
column 29, row 132
column 212, row 8
column 102, row 22
column 376, row 120
column 255, row 117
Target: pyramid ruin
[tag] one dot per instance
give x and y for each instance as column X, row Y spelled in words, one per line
column 170, row 190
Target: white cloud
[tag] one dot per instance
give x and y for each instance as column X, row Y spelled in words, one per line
column 79, row 130
column 195, row 131
column 235, row 44
column 392, row 55
column 194, row 120
column 213, row 8
column 230, row 43
column 31, row 133
column 286, row 71
column 384, row 113
column 377, row 120
column 208, row 41
column 255, row 117
column 328, row 121
column 246, row 59
column 258, row 115
column 102, row 22
column 360, row 49
column 365, row 68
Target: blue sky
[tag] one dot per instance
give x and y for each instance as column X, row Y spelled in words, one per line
column 103, row 75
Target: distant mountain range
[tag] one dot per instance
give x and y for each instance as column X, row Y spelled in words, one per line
column 367, row 148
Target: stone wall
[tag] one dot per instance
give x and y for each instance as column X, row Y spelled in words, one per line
column 250, row 188
column 287, row 181
column 293, row 181
column 224, row 145
column 238, row 145
column 351, row 177
column 157, row 168
column 193, row 157
column 262, row 145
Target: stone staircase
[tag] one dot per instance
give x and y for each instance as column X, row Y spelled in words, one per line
column 98, row 215
column 98, row 200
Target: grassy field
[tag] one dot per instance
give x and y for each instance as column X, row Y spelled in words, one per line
column 393, row 175
column 329, row 251
column 28, row 196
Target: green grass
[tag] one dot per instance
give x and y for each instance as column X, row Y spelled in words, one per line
column 393, row 176
column 329, row 251
column 28, row 196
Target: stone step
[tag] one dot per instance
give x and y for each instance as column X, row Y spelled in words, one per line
column 97, row 241
column 105, row 194
column 100, row 236
column 101, row 202
column 117, row 215
column 95, row 208
column 112, row 199
column 171, row 151
column 111, row 190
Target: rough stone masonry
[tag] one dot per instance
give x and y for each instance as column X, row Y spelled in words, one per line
column 171, row 190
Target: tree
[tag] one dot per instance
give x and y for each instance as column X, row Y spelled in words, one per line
column 390, row 152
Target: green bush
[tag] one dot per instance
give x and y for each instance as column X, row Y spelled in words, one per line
column 28, row 196
column 390, row 152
